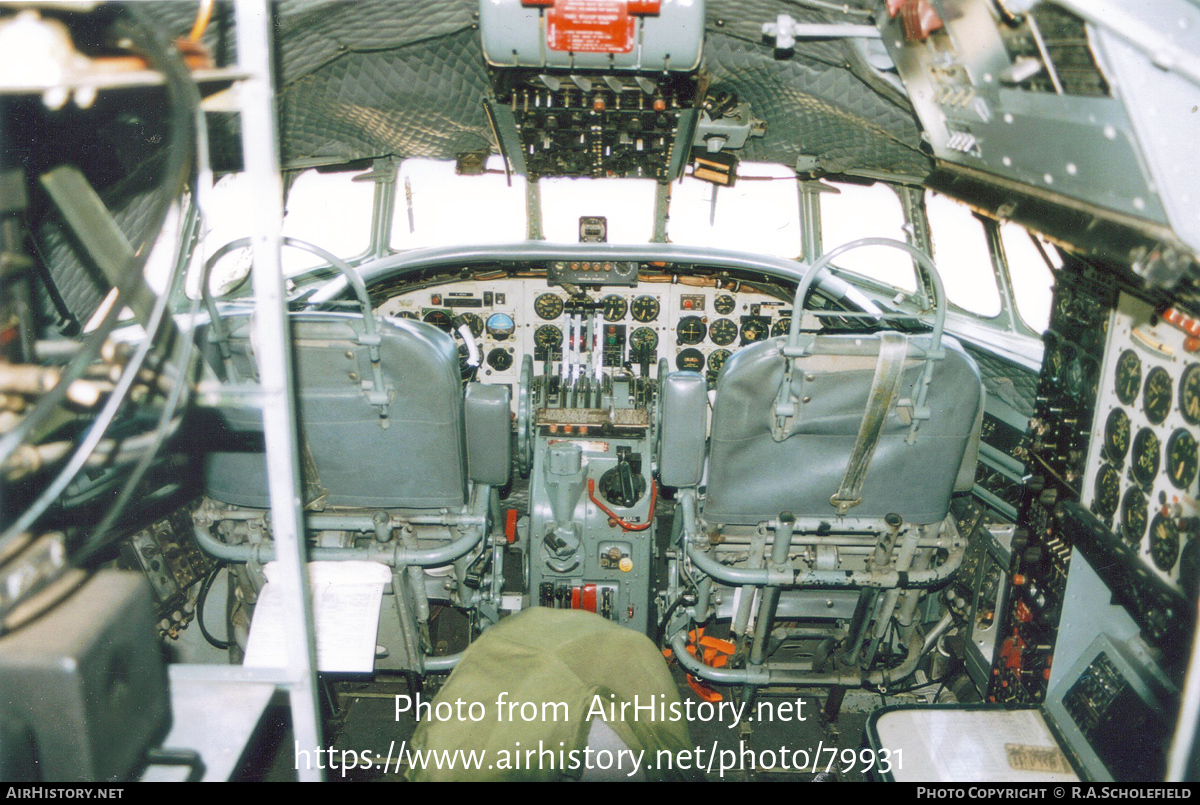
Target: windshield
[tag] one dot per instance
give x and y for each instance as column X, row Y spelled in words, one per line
column 439, row 203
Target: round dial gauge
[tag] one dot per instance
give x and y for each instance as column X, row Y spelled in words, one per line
column 1156, row 397
column 1146, row 449
column 716, row 359
column 407, row 314
column 781, row 326
column 724, row 304
column 464, row 355
column 723, row 332
column 1079, row 375
column 615, row 307
column 1164, row 542
column 1116, row 435
column 644, row 309
column 1108, row 491
column 690, row 360
column 1058, row 356
column 474, row 322
column 439, row 319
column 548, row 306
column 500, row 359
column 1133, row 515
column 754, row 330
column 644, row 338
column 1129, row 376
column 501, row 326
column 691, row 330
column 1181, row 459
column 548, row 337
column 1189, row 394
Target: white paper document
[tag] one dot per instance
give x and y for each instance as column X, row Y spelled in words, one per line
column 345, row 603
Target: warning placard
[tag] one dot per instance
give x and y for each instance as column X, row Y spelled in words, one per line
column 590, row 26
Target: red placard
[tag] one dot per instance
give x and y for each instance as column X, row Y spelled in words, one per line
column 590, row 26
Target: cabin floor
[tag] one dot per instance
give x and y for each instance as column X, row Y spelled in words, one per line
column 361, row 714
column 365, row 718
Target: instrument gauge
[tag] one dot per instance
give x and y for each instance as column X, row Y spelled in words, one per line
column 548, row 337
column 1108, row 491
column 644, row 338
column 1117, row 432
column 407, row 314
column 1129, row 376
column 754, row 329
column 464, row 355
column 723, row 332
column 644, row 309
column 781, row 326
column 548, row 306
column 1080, row 372
column 716, row 359
column 1164, row 542
column 615, row 307
column 690, row 360
column 1058, row 355
column 500, row 359
column 1181, row 459
column 1133, row 515
column 724, row 304
column 474, row 322
column 501, row 326
column 440, row 319
column 1146, row 449
column 691, row 330
column 1157, row 395
column 1189, row 394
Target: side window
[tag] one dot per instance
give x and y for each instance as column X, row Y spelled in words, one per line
column 329, row 210
column 436, row 207
column 1032, row 279
column 961, row 254
column 867, row 212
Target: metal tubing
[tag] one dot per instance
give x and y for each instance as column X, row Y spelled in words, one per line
column 765, row 675
column 393, row 555
column 836, row 579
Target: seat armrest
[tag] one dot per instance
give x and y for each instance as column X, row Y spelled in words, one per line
column 489, row 433
column 683, row 429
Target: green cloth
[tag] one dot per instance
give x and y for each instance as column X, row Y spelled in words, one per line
column 551, row 655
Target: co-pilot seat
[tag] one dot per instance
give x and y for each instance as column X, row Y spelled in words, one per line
column 831, row 464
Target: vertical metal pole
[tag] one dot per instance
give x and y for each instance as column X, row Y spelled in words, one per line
column 533, row 210
column 912, row 199
column 810, row 219
column 662, row 210
column 259, row 143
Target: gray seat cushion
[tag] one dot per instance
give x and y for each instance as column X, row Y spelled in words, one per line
column 753, row 478
column 418, row 461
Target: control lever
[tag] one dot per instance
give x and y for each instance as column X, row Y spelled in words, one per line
column 623, row 485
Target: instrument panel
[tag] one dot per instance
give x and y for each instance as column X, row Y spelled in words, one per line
column 1142, row 469
column 696, row 327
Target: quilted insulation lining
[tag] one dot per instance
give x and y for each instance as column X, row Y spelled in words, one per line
column 366, row 79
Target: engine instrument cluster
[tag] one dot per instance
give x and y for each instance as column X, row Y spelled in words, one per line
column 1142, row 470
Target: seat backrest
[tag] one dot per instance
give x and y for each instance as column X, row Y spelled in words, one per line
column 415, row 457
column 753, row 477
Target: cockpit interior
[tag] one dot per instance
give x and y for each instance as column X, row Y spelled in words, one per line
column 825, row 374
